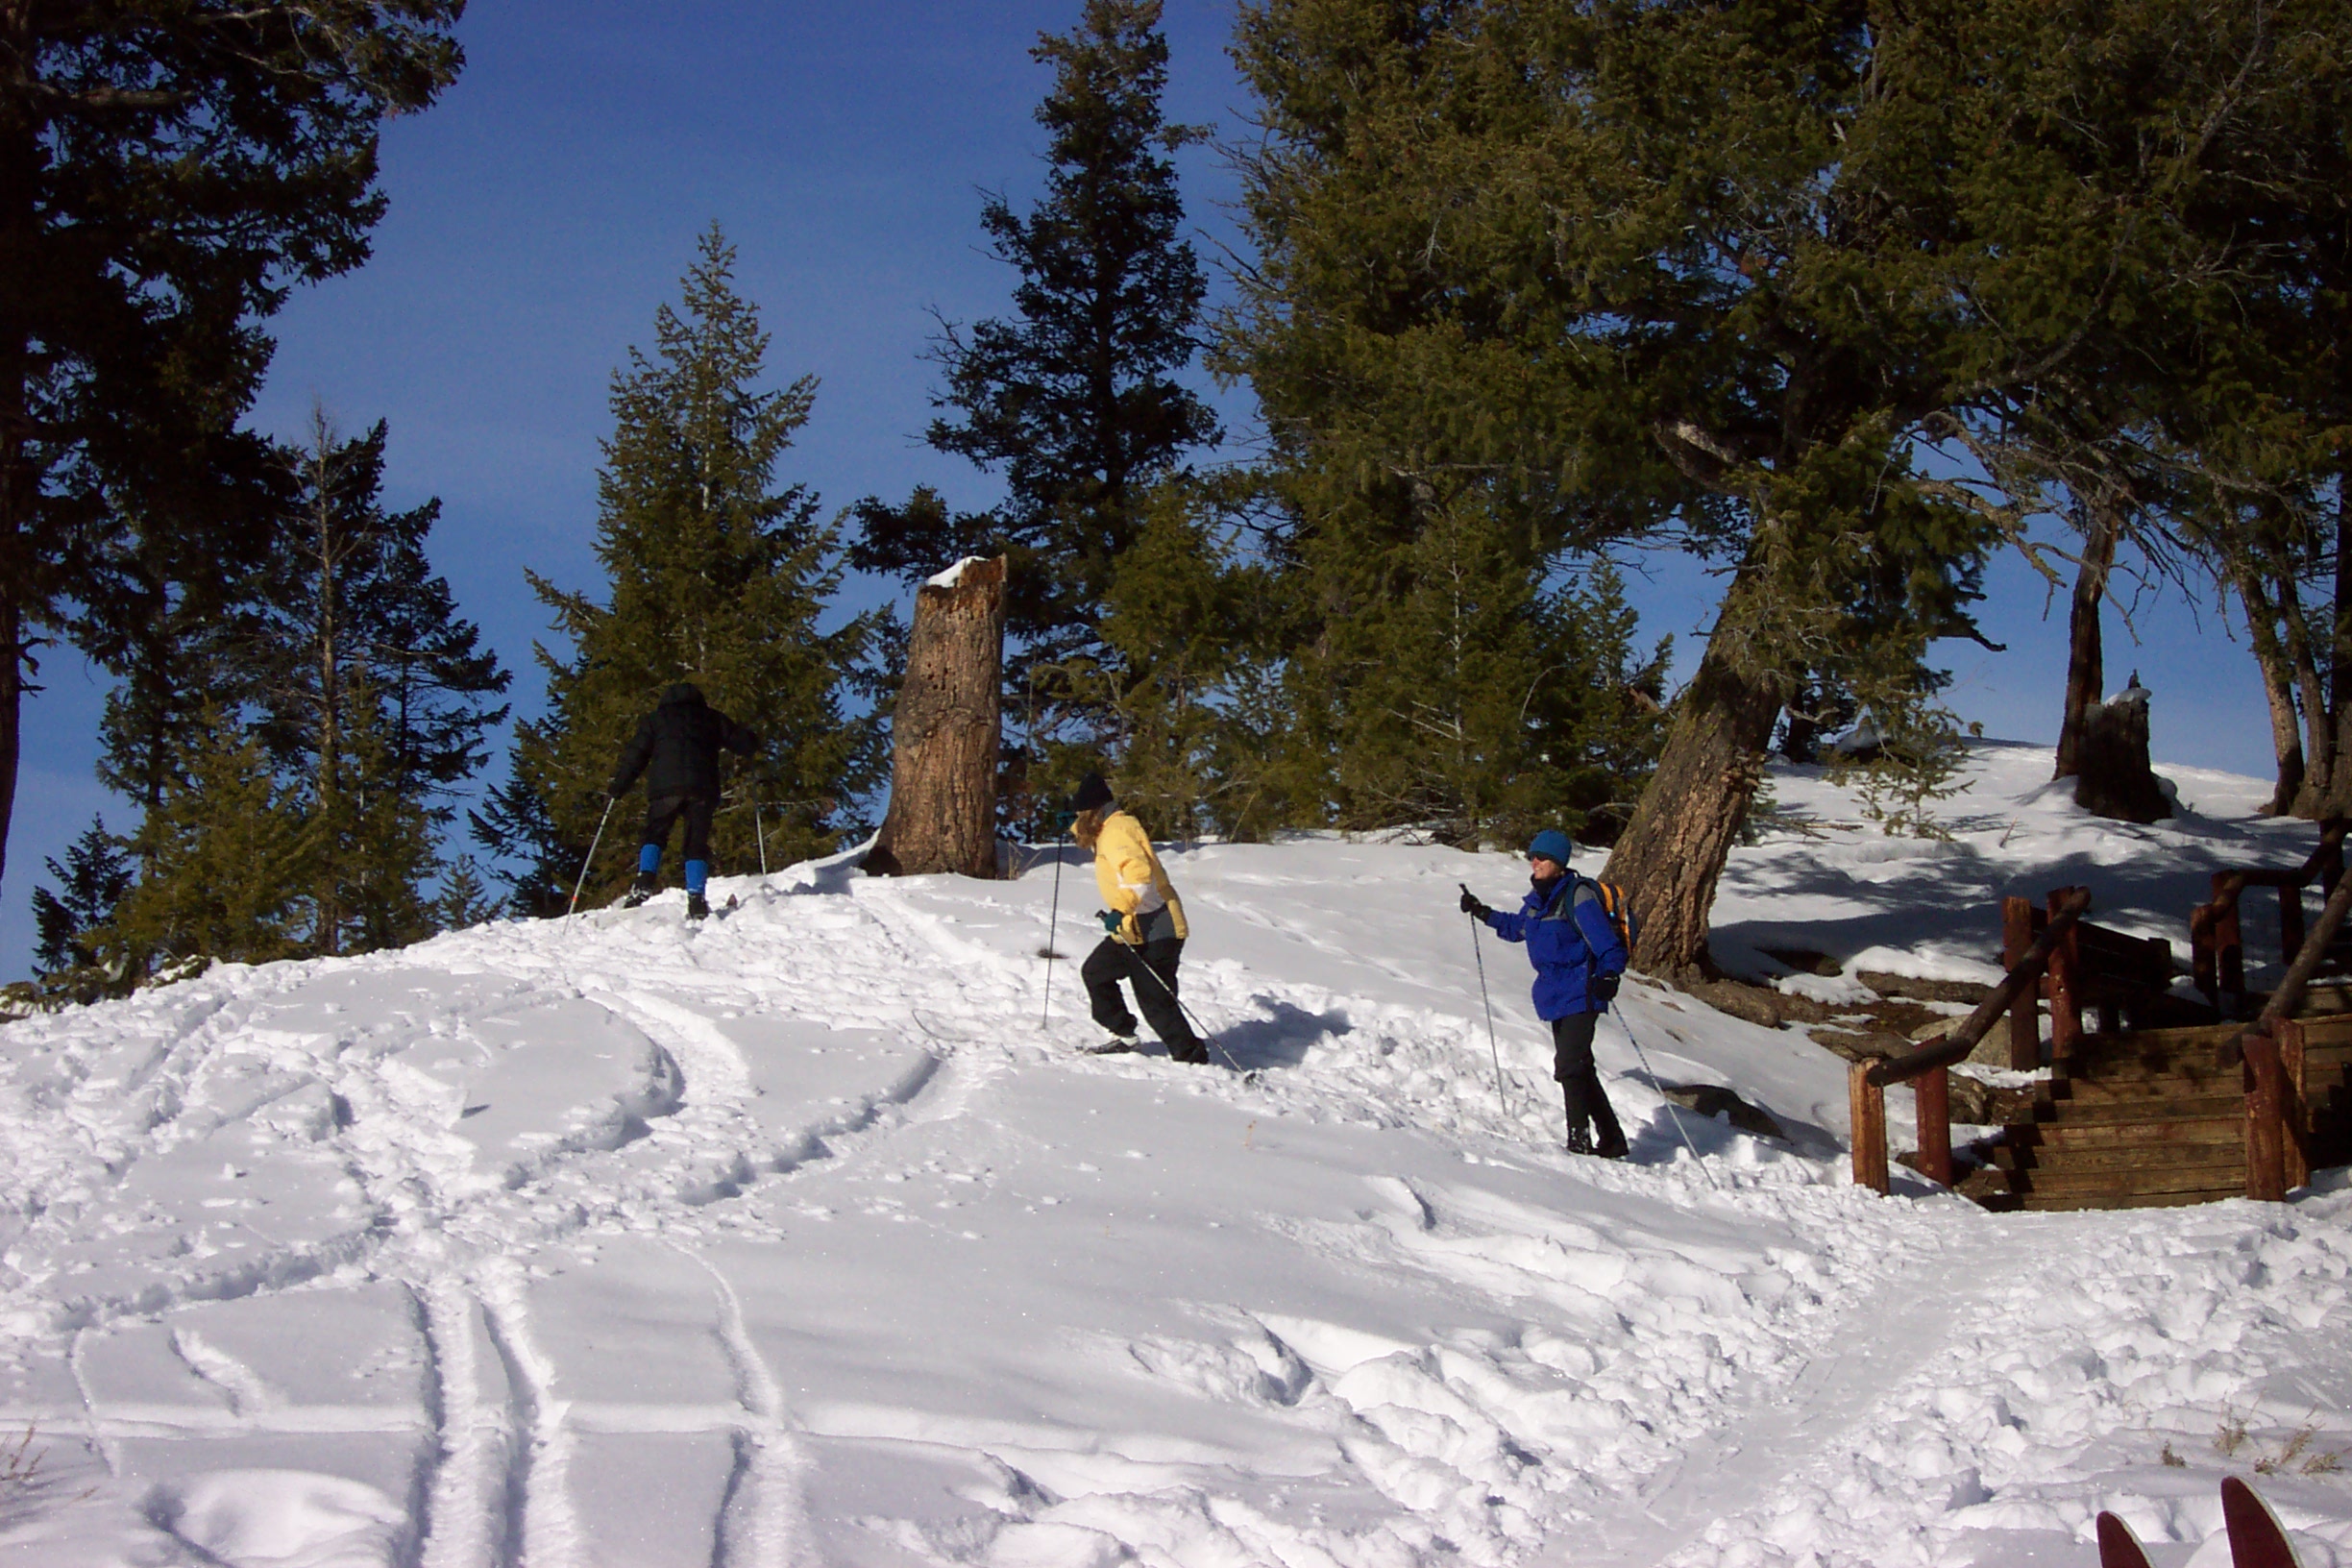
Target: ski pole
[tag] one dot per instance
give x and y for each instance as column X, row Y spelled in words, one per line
column 1502, row 1095
column 1053, row 925
column 590, row 860
column 759, row 826
column 1660, row 1084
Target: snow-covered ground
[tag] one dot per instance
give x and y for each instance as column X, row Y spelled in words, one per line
column 800, row 1238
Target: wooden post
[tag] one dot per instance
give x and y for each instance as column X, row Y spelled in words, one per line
column 944, row 731
column 2203, row 953
column 2290, row 922
column 2065, row 985
column 2025, row 1013
column 1931, row 1090
column 2229, row 945
column 2297, row 1118
column 2266, row 1180
column 1866, row 1103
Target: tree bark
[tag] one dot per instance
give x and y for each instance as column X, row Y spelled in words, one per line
column 944, row 733
column 2086, row 672
column 2278, row 686
column 2310, row 688
column 1673, row 851
column 2334, row 793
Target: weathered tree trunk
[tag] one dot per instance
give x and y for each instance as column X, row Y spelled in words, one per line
column 2310, row 692
column 2334, row 792
column 2278, row 686
column 1673, row 851
column 19, row 481
column 2117, row 780
column 942, row 804
column 2086, row 674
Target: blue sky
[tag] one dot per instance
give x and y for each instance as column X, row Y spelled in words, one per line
column 547, row 204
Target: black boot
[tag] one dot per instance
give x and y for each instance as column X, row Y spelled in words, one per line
column 645, row 887
column 696, row 906
column 1579, row 1136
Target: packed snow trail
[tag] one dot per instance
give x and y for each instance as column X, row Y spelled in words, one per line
column 791, row 1237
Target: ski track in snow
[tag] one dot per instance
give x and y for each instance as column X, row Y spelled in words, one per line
column 475, row 1250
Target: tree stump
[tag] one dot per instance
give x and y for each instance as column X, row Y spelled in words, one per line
column 2113, row 778
column 943, row 735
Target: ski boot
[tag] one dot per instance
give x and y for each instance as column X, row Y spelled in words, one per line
column 696, row 906
column 645, row 887
column 1579, row 1140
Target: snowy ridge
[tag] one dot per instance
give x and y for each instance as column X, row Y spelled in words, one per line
column 796, row 1237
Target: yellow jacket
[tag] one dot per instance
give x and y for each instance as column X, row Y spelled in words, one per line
column 1130, row 876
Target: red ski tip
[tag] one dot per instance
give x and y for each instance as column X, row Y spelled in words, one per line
column 2118, row 1547
column 2255, row 1536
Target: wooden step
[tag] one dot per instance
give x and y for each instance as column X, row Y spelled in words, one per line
column 2133, row 1107
column 2177, row 1086
column 2121, row 1157
column 2111, row 1134
column 2109, row 1184
column 2066, row 1202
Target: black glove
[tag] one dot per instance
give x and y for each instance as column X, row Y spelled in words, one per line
column 1111, row 920
column 1470, row 904
column 1602, row 987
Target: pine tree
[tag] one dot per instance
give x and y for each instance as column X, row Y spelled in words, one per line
column 230, row 861
column 714, row 577
column 368, row 689
column 94, row 878
column 1073, row 399
column 167, row 172
column 1703, row 272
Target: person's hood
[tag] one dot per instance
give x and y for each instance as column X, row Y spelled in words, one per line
column 686, row 691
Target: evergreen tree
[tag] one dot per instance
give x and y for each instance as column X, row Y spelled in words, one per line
column 230, row 861
column 714, row 577
column 94, row 878
column 1705, row 273
column 465, row 897
column 1072, row 399
column 167, row 171
column 368, row 689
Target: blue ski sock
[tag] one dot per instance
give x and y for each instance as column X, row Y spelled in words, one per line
column 697, row 873
column 648, row 859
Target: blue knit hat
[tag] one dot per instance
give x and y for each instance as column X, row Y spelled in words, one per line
column 1552, row 845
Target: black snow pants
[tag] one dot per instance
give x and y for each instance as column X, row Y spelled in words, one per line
column 664, row 810
column 1151, row 969
column 1572, row 1064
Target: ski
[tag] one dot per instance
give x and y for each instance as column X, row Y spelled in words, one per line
column 2118, row 1547
column 2255, row 1536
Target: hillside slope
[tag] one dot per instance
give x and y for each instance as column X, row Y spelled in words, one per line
column 806, row 1237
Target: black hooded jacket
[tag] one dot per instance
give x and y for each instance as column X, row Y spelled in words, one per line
column 676, row 747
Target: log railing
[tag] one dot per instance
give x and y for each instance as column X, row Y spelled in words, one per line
column 2278, row 1113
column 2051, row 952
column 2217, row 945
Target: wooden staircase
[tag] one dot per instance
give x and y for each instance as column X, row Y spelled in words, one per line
column 2154, row 1119
column 2150, row 1110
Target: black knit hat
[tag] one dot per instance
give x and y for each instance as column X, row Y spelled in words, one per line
column 1093, row 792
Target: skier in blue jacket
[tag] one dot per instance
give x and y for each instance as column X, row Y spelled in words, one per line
column 1578, row 956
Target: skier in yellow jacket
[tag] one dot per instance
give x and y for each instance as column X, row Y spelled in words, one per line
column 1146, row 927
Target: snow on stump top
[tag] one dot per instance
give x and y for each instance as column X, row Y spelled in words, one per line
column 953, row 577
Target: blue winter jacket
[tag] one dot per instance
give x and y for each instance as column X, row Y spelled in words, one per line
column 1570, row 937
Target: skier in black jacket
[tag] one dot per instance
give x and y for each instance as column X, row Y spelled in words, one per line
column 676, row 747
